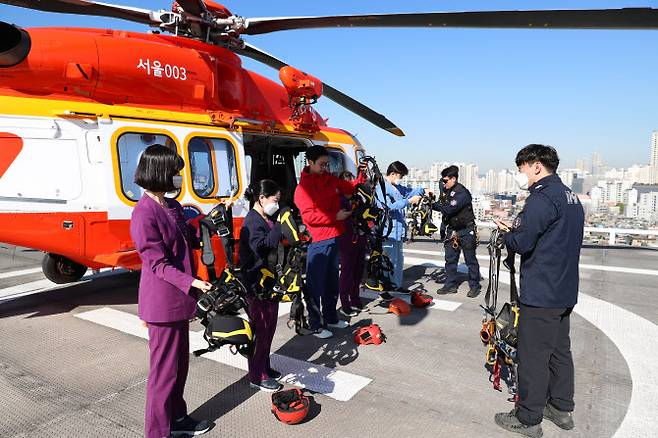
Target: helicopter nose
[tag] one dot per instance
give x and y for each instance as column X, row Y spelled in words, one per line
column 15, row 44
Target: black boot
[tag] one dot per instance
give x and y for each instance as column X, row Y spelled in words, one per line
column 474, row 291
column 509, row 421
column 447, row 289
column 562, row 419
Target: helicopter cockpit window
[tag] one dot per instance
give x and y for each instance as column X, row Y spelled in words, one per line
column 130, row 147
column 336, row 161
column 201, row 167
column 226, row 165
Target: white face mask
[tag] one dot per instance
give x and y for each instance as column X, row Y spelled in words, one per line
column 270, row 209
column 522, row 180
column 177, row 181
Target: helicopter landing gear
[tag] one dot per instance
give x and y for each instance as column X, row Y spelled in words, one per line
column 61, row 270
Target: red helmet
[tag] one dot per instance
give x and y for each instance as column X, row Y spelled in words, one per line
column 399, row 307
column 290, row 406
column 419, row 299
column 370, row 334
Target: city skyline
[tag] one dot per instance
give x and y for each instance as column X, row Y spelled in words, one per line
column 460, row 94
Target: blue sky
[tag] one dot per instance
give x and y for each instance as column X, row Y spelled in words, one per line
column 460, row 94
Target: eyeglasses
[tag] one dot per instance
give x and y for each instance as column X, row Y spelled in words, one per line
column 445, row 180
column 324, row 165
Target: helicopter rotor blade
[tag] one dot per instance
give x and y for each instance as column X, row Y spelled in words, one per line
column 86, row 7
column 625, row 18
column 330, row 92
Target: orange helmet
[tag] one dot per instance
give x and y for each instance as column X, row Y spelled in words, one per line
column 370, row 334
column 419, row 299
column 399, row 307
column 290, row 406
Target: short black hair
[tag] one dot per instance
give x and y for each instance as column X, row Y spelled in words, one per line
column 546, row 155
column 156, row 168
column 397, row 167
column 265, row 187
column 450, row 172
column 315, row 152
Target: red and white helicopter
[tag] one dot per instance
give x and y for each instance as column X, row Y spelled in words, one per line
column 78, row 106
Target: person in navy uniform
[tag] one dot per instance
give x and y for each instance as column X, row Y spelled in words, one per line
column 458, row 220
column 548, row 234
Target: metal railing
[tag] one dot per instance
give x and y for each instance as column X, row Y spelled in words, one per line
column 609, row 234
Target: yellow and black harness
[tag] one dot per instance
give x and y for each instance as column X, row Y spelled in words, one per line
column 419, row 218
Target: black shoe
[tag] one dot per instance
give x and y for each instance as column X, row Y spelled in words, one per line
column 403, row 290
column 189, row 426
column 268, row 385
column 348, row 312
column 562, row 419
column 509, row 421
column 447, row 289
column 474, row 291
column 274, row 373
column 385, row 296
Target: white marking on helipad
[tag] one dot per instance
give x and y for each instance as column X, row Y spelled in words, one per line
column 11, row 274
column 629, row 332
column 337, row 384
column 439, row 262
column 44, row 285
column 449, row 306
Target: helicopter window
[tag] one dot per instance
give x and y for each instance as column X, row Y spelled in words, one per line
column 130, row 147
column 201, row 167
column 336, row 161
column 226, row 166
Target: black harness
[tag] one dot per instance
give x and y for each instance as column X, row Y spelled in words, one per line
column 499, row 329
column 419, row 218
column 217, row 308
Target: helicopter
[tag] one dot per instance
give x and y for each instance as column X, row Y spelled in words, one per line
column 78, row 106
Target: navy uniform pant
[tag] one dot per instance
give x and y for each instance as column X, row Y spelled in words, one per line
column 169, row 362
column 468, row 245
column 546, row 372
column 322, row 283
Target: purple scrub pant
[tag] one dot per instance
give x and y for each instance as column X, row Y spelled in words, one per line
column 352, row 249
column 169, row 362
column 263, row 315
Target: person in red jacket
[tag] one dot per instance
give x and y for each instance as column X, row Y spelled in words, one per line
column 317, row 197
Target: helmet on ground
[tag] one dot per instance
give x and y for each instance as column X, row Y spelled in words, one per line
column 370, row 334
column 419, row 299
column 399, row 307
column 290, row 406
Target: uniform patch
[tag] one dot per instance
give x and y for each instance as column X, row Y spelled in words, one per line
column 453, row 202
column 452, row 193
column 517, row 222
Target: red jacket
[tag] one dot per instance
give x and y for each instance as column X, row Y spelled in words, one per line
column 317, row 197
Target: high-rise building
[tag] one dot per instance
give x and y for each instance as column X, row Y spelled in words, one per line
column 597, row 163
column 653, row 162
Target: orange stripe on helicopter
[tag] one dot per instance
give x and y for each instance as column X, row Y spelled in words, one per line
column 10, row 146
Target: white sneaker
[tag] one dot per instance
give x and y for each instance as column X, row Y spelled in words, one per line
column 323, row 334
column 341, row 324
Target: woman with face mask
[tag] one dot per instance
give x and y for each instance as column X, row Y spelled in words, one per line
column 167, row 291
column 259, row 241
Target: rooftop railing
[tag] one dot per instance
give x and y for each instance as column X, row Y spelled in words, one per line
column 618, row 237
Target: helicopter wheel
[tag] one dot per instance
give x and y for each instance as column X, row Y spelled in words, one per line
column 61, row 270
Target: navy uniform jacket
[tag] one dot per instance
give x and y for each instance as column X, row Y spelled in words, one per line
column 456, row 207
column 548, row 234
column 257, row 240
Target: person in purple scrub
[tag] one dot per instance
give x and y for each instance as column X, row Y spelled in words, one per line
column 352, row 255
column 167, row 291
column 260, row 236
